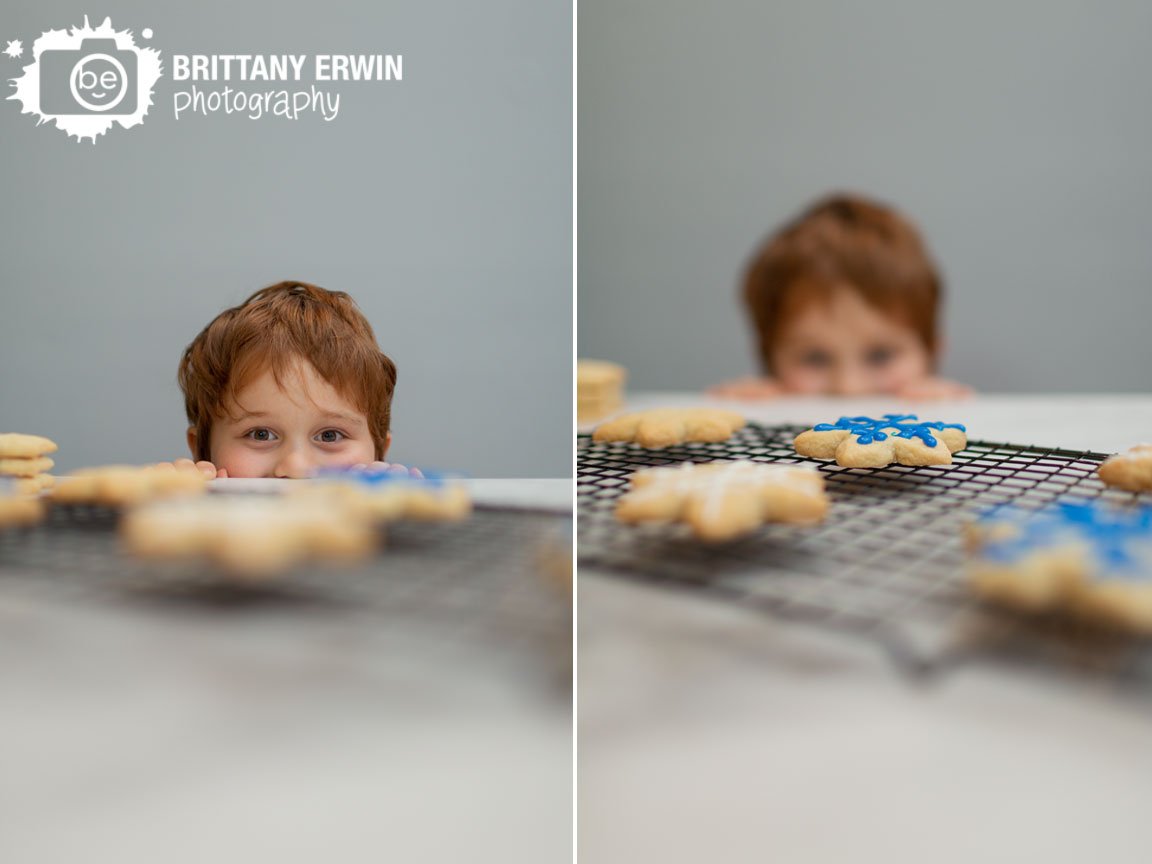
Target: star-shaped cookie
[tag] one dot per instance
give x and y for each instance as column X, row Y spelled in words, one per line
column 865, row 442
column 664, row 427
column 724, row 500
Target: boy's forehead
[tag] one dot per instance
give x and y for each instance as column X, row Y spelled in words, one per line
column 843, row 315
column 297, row 388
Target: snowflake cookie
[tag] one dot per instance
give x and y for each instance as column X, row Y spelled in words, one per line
column 664, row 427
column 864, row 442
column 1084, row 559
column 1131, row 471
column 724, row 500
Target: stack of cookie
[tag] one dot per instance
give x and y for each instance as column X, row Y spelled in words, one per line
column 24, row 459
column 599, row 389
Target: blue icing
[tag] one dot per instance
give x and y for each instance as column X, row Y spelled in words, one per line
column 868, row 429
column 1118, row 539
column 379, row 477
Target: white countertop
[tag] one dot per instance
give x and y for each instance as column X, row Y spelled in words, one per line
column 711, row 731
column 528, row 493
column 1105, row 423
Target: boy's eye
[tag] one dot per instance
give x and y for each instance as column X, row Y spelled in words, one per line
column 816, row 358
column 879, row 356
column 331, row 436
column 260, row 434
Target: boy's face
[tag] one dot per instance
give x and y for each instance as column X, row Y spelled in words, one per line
column 845, row 347
column 290, row 432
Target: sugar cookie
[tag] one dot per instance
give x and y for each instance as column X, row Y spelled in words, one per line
column 385, row 496
column 122, row 485
column 863, row 442
column 724, row 500
column 664, row 427
column 1131, row 471
column 599, row 389
column 247, row 535
column 25, row 466
column 1082, row 559
column 20, row 446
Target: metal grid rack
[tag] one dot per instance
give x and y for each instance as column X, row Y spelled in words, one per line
column 479, row 587
column 886, row 563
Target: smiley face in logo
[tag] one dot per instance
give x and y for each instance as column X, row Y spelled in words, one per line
column 98, row 82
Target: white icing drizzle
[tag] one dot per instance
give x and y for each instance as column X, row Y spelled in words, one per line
column 714, row 482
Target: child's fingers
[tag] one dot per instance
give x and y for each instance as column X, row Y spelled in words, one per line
column 222, row 474
column 207, row 469
column 394, row 468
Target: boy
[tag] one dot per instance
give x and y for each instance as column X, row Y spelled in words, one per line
column 286, row 383
column 844, row 301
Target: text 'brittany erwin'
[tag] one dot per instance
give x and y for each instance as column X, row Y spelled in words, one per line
column 287, row 67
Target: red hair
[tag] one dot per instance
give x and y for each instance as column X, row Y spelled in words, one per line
column 843, row 241
column 274, row 329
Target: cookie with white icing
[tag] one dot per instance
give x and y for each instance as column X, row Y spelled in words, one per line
column 664, row 427
column 1086, row 560
column 1131, row 471
column 724, row 500
column 866, row 442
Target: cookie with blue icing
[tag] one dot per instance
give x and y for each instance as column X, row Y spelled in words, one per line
column 867, row 442
column 1082, row 559
column 385, row 496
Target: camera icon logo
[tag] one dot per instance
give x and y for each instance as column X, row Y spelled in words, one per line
column 87, row 80
column 96, row 78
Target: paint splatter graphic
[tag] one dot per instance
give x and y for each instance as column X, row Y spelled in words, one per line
column 88, row 79
column 15, row 48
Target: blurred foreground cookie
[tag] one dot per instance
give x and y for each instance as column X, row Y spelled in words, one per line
column 1131, row 470
column 599, row 389
column 17, row 507
column 724, row 500
column 864, row 442
column 664, row 427
column 247, row 536
column 386, row 496
column 1086, row 560
column 123, row 485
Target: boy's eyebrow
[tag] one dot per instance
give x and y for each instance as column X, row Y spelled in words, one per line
column 327, row 415
column 347, row 418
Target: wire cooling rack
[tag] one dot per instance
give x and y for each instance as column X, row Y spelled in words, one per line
column 478, row 587
column 888, row 560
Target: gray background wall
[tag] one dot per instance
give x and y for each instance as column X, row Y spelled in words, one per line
column 442, row 204
column 1018, row 135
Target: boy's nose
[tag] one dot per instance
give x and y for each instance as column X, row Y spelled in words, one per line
column 293, row 465
column 849, row 381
